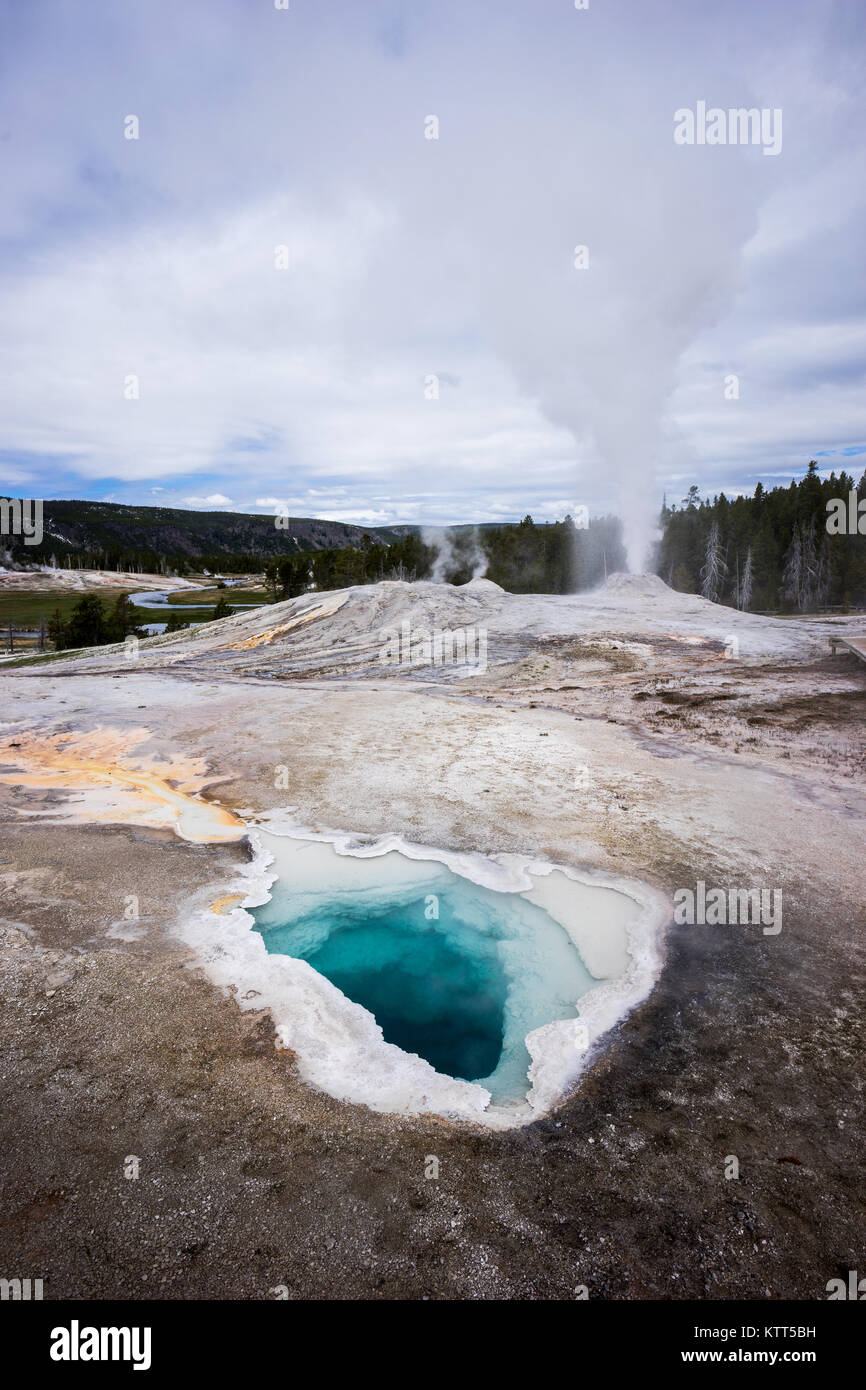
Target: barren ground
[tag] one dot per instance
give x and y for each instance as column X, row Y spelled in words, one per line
column 609, row 731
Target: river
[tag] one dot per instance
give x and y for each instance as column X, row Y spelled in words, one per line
column 158, row 598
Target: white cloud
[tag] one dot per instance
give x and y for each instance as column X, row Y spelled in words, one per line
column 411, row 258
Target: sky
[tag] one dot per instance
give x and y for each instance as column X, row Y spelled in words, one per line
column 338, row 270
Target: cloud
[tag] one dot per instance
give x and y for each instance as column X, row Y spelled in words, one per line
column 408, row 257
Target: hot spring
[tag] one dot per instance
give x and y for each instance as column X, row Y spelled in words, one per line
column 456, row 973
column 412, row 980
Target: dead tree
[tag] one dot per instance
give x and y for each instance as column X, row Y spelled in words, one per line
column 746, row 585
column 715, row 567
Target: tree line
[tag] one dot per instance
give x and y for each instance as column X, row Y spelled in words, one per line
column 769, row 552
column 547, row 558
column 93, row 623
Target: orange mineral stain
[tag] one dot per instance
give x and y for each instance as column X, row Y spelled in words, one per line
column 113, row 785
column 261, row 639
column 220, row 905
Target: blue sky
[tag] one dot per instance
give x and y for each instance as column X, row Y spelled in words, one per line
column 412, row 258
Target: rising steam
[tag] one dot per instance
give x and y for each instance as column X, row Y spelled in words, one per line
column 597, row 338
column 456, row 553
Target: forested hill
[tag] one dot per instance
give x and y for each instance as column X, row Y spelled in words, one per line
column 105, row 535
column 769, row 551
column 522, row 556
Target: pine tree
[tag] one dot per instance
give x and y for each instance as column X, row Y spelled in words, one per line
column 57, row 631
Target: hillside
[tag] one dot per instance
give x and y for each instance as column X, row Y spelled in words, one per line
column 105, row 534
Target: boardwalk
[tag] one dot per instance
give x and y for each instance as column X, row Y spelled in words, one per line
column 857, row 645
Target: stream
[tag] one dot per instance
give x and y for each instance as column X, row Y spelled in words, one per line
column 158, row 598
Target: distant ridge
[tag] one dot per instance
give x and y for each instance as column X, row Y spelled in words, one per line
column 109, row 532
